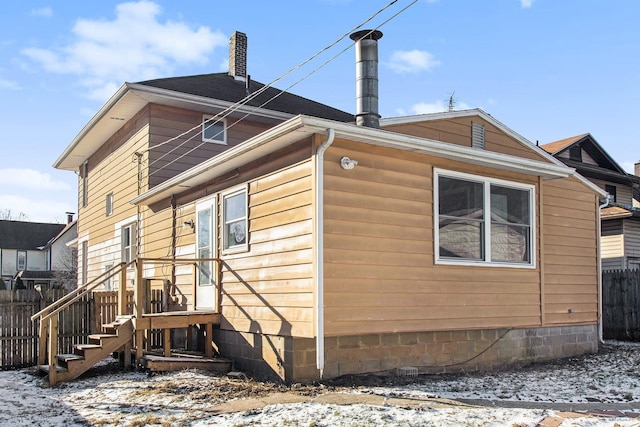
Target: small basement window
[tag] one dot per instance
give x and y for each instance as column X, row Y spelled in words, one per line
column 214, row 130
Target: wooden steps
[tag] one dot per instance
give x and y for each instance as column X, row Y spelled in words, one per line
column 117, row 336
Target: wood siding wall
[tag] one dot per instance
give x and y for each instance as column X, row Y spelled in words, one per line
column 269, row 288
column 632, row 239
column 188, row 150
column 380, row 275
column 458, row 131
column 612, row 245
column 570, row 269
column 112, row 169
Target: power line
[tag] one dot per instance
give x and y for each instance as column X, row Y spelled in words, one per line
column 233, row 108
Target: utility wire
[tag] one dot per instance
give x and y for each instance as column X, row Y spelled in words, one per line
column 253, row 95
column 225, row 113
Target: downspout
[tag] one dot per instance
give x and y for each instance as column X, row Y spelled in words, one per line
column 319, row 247
column 599, row 235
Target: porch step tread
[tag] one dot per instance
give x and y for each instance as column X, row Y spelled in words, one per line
column 87, row 346
column 68, row 357
column 45, row 368
column 102, row 336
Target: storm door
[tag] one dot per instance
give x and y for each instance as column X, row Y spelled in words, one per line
column 206, row 248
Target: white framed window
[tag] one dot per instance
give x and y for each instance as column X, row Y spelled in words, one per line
column 483, row 221
column 214, row 130
column 128, row 242
column 234, row 218
column 109, row 204
column 21, row 260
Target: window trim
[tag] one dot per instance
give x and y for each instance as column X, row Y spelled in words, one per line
column 18, row 253
column 243, row 247
column 132, row 242
column 487, row 182
column 205, row 119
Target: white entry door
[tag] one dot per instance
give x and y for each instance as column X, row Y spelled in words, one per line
column 206, row 248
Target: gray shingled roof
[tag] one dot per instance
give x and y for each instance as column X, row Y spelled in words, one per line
column 224, row 87
column 27, row 235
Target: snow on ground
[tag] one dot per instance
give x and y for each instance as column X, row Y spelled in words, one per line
column 106, row 396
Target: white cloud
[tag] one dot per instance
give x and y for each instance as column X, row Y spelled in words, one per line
column 133, row 46
column 412, row 61
column 31, row 179
column 36, row 210
column 526, row 3
column 9, row 84
column 45, row 12
column 436, row 107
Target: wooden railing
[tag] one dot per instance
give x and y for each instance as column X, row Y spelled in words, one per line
column 48, row 317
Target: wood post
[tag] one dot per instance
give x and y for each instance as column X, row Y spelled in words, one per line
column 122, row 291
column 138, row 297
column 53, row 349
column 167, row 342
column 208, row 339
column 42, row 347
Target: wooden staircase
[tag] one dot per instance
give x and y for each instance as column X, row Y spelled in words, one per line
column 116, row 336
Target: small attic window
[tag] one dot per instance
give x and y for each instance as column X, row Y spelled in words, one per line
column 477, row 135
column 214, row 130
column 575, row 153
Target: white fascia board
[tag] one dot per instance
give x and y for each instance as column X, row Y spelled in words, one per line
column 302, row 126
column 487, row 117
column 445, row 150
column 68, row 152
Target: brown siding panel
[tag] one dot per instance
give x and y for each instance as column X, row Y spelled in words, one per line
column 571, row 262
column 380, row 275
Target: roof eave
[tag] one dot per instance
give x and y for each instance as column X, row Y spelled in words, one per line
column 281, row 135
column 137, row 96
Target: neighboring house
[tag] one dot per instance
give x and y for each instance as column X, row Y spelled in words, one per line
column 443, row 241
column 62, row 255
column 22, row 252
column 620, row 225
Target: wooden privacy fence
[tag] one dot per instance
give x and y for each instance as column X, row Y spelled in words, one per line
column 19, row 335
column 621, row 304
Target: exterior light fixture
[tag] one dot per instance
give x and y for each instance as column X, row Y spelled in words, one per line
column 347, row 163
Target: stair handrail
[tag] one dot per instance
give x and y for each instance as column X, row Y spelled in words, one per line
column 79, row 292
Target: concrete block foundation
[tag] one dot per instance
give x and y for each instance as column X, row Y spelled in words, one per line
column 294, row 359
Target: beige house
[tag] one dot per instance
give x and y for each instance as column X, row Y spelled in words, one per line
column 441, row 242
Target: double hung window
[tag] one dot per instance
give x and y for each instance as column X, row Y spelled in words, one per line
column 234, row 217
column 483, row 221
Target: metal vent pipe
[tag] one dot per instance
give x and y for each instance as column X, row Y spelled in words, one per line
column 367, row 77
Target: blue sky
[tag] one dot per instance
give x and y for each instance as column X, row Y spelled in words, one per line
column 547, row 69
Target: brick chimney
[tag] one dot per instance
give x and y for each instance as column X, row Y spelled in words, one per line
column 238, row 56
column 636, row 169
